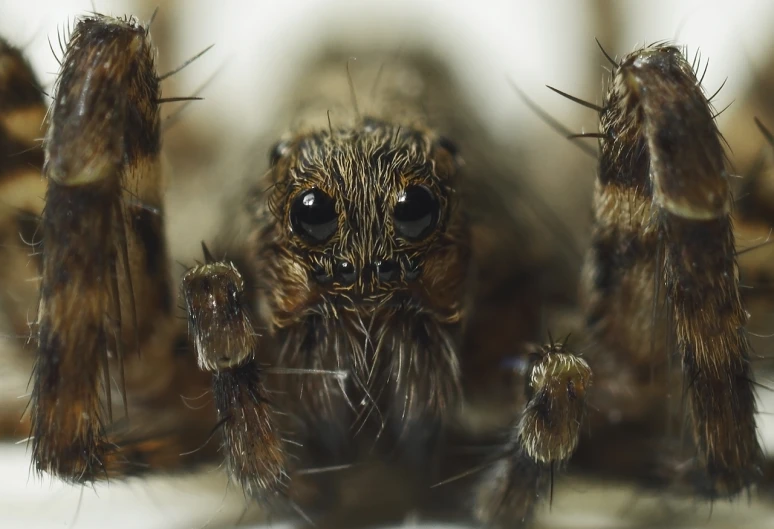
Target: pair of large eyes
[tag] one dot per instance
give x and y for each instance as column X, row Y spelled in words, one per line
column 314, row 218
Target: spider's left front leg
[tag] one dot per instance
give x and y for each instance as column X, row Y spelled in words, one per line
column 663, row 245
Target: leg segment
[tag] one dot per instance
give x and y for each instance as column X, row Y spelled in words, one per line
column 22, row 110
column 105, row 285
column 545, row 436
column 663, row 234
column 221, row 329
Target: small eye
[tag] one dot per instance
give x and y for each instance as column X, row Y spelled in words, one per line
column 313, row 216
column 449, row 145
column 278, row 150
column 346, row 273
column 416, row 212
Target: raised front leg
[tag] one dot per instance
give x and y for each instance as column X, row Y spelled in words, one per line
column 661, row 275
column 105, row 294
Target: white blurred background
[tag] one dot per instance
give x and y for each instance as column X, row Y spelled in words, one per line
column 257, row 46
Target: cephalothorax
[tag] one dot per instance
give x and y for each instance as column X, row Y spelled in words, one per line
column 362, row 262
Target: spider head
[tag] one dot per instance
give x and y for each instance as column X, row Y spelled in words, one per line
column 364, row 216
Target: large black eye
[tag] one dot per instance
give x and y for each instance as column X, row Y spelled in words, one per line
column 416, row 212
column 313, row 216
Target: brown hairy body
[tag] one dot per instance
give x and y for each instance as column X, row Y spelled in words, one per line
column 379, row 312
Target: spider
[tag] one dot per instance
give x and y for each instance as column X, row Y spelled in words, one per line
column 376, row 309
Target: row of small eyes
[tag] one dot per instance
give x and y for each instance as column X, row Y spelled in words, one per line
column 313, row 215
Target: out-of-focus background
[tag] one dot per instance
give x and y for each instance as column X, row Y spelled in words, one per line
column 258, row 49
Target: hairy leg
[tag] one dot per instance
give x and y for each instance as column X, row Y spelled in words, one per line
column 22, row 109
column 226, row 343
column 544, row 437
column 106, row 309
column 661, row 273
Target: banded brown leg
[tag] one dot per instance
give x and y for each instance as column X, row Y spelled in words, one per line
column 22, row 110
column 105, row 288
column 661, row 273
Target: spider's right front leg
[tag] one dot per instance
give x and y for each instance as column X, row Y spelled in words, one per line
column 105, row 287
column 22, row 111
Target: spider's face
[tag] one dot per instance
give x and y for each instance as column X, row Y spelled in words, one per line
column 366, row 217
